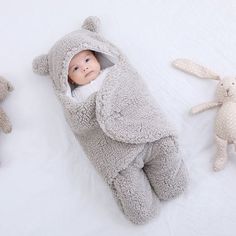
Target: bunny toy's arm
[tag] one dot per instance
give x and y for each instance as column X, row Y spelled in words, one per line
column 204, row 106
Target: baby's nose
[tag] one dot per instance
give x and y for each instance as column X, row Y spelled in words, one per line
column 85, row 68
column 227, row 90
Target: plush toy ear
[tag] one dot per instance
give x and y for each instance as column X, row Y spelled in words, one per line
column 40, row 65
column 195, row 69
column 92, row 23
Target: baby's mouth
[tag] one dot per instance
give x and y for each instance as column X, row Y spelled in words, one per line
column 89, row 73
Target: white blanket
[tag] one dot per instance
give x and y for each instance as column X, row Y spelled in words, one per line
column 47, row 185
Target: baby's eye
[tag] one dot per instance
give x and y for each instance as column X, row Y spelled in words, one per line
column 87, row 59
column 233, row 83
column 76, row 68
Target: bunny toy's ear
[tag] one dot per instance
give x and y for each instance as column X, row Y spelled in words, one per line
column 195, row 69
column 92, row 23
column 40, row 65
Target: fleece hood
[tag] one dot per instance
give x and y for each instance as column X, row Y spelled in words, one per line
column 56, row 62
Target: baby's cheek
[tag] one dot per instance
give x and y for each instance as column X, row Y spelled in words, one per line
column 98, row 68
column 77, row 75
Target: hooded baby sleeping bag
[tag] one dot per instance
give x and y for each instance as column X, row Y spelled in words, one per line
column 120, row 126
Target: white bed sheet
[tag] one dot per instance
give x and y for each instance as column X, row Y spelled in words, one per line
column 47, row 185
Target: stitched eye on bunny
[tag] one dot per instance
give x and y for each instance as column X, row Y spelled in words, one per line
column 225, row 124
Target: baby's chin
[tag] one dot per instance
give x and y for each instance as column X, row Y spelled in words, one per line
column 92, row 76
column 88, row 80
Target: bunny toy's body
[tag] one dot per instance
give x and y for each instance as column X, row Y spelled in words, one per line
column 225, row 125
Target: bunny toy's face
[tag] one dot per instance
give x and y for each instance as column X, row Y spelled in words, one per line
column 226, row 90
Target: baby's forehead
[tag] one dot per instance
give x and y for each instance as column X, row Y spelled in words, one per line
column 82, row 54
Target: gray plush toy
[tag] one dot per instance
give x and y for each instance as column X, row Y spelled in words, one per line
column 5, row 88
column 120, row 127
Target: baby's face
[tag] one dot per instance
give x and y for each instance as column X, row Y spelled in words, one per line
column 84, row 68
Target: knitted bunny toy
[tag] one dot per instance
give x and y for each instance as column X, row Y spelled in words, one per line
column 5, row 88
column 225, row 126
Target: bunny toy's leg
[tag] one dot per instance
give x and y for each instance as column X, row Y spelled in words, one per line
column 134, row 194
column 221, row 154
column 165, row 169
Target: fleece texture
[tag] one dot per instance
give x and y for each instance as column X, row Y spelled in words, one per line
column 5, row 88
column 118, row 124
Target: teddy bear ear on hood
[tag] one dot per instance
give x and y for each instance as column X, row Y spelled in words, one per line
column 92, row 23
column 40, row 65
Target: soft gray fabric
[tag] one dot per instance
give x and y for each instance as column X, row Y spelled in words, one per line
column 157, row 173
column 5, row 88
column 115, row 123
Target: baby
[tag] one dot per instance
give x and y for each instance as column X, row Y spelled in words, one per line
column 120, row 127
column 85, row 72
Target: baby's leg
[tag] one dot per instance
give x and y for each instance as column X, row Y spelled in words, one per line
column 165, row 169
column 134, row 194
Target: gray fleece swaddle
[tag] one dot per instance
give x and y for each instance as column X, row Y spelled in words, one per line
column 120, row 127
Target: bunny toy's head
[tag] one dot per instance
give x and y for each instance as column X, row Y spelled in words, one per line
column 226, row 90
